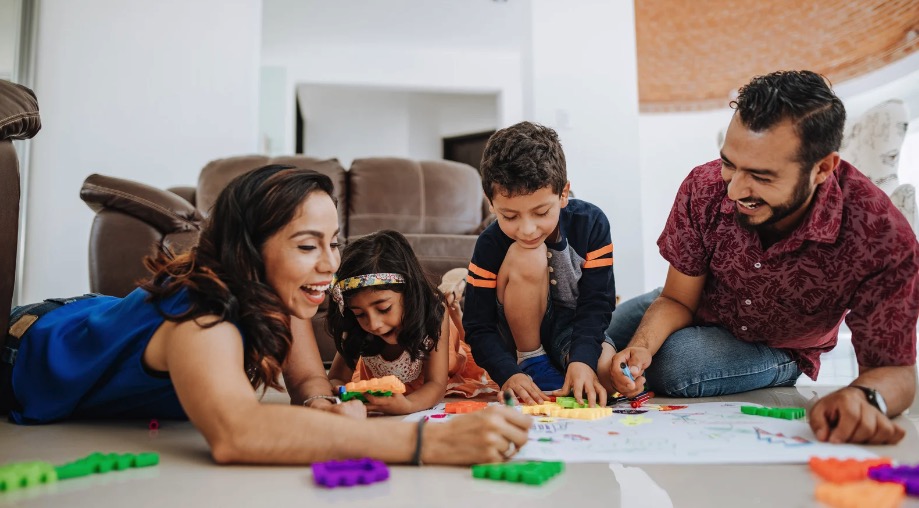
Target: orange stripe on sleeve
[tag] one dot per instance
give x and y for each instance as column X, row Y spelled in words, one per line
column 479, row 283
column 481, row 273
column 595, row 263
column 599, row 252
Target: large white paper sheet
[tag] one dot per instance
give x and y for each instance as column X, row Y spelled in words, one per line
column 704, row 433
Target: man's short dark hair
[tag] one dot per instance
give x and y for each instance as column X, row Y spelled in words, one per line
column 521, row 159
column 806, row 99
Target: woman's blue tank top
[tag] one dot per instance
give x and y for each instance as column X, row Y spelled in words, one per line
column 84, row 360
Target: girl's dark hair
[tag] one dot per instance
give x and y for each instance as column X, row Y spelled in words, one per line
column 387, row 252
column 225, row 274
column 806, row 99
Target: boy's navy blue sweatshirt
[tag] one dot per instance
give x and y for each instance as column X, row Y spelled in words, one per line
column 581, row 281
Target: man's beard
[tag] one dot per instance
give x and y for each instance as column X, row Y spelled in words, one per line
column 798, row 199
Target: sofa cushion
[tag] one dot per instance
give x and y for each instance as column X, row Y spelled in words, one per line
column 413, row 197
column 217, row 174
column 19, row 117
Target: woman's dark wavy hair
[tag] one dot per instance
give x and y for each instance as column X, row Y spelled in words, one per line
column 802, row 96
column 225, row 274
column 387, row 251
column 521, row 159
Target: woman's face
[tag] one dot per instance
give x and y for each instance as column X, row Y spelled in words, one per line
column 302, row 256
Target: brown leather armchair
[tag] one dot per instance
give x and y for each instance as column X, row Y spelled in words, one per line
column 438, row 205
column 19, row 119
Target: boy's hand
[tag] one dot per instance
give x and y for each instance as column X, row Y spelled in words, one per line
column 396, row 404
column 582, row 382
column 524, row 389
column 637, row 360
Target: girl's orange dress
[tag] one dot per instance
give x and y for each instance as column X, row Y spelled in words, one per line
column 466, row 378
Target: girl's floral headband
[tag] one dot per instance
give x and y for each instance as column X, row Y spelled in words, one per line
column 339, row 287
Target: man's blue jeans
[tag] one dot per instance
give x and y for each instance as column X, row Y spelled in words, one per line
column 703, row 361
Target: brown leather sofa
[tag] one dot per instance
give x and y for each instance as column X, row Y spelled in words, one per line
column 19, row 119
column 438, row 205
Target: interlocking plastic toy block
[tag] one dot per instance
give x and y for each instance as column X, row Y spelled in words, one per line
column 26, row 474
column 465, row 406
column 382, row 384
column 348, row 473
column 30, row 474
column 847, row 470
column 786, row 413
column 346, row 396
column 860, row 494
column 908, row 476
column 531, row 473
column 569, row 402
column 552, row 409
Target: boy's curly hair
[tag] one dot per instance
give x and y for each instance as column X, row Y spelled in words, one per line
column 387, row 251
column 521, row 159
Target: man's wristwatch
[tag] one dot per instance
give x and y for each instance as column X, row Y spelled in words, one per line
column 874, row 398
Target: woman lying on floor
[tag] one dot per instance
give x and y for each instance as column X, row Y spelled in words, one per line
column 211, row 327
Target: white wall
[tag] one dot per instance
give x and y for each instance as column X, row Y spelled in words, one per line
column 9, row 36
column 584, row 83
column 443, row 46
column 672, row 144
column 350, row 122
column 148, row 91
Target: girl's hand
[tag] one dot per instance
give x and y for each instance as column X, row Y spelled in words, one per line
column 476, row 438
column 396, row 404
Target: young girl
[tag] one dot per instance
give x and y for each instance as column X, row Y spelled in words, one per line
column 390, row 320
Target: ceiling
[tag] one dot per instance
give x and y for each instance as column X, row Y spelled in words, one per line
column 694, row 54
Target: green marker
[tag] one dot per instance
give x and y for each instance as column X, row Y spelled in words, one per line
column 508, row 398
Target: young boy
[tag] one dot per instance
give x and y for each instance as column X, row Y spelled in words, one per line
column 540, row 288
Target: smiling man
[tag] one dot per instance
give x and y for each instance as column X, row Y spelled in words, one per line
column 770, row 247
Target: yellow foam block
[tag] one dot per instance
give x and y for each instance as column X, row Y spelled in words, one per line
column 553, row 409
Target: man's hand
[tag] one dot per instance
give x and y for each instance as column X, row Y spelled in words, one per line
column 845, row 416
column 524, row 389
column 396, row 404
column 582, row 382
column 637, row 360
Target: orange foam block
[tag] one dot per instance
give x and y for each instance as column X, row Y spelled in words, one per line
column 466, row 406
column 382, row 384
column 848, row 470
column 865, row 493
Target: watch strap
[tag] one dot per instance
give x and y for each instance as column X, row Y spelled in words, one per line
column 872, row 395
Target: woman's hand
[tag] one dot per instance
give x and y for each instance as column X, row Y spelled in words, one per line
column 491, row 435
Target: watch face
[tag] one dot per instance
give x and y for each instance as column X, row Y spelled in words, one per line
column 879, row 402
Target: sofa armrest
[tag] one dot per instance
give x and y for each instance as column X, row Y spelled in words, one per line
column 165, row 211
column 186, row 193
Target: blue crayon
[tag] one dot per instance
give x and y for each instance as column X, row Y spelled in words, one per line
column 626, row 371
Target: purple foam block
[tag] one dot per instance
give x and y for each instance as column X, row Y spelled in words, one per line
column 908, row 476
column 347, row 473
